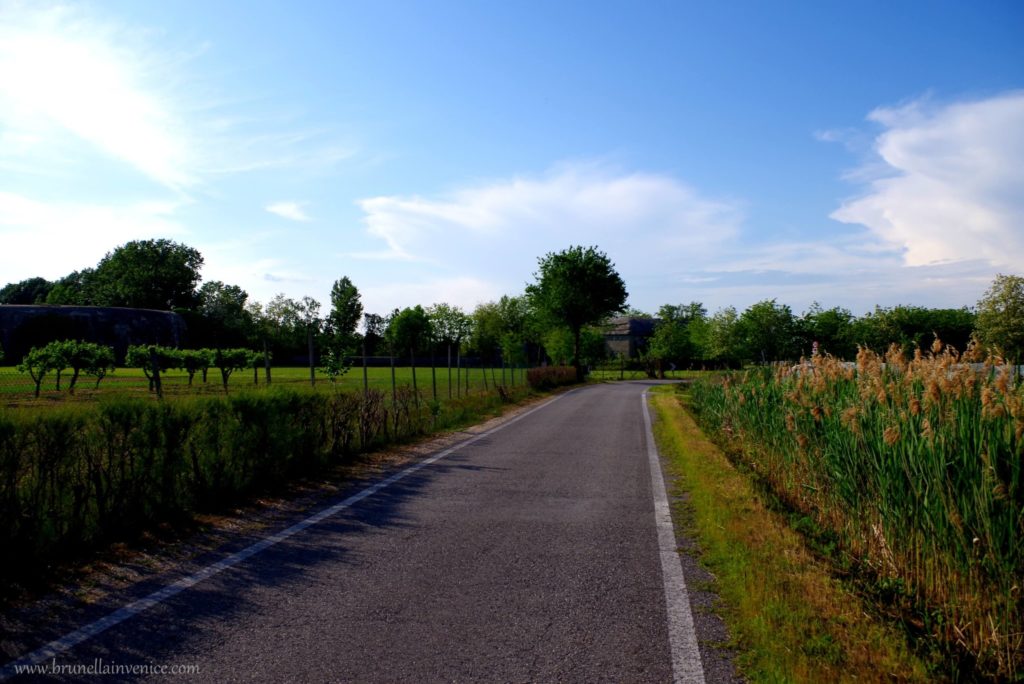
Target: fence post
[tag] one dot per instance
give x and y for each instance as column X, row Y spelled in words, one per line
column 154, row 363
column 415, row 389
column 366, row 378
column 266, row 360
column 312, row 368
column 433, row 374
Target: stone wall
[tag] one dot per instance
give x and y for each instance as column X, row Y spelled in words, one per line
column 24, row 327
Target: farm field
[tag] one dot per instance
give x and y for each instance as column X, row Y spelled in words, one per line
column 17, row 388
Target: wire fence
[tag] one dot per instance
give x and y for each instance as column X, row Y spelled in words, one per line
column 431, row 382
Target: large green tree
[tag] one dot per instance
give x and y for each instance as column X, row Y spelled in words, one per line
column 577, row 287
column 221, row 317
column 913, row 327
column 29, row 291
column 76, row 288
column 724, row 339
column 148, row 274
column 831, row 328
column 346, row 312
column 1001, row 316
column 768, row 330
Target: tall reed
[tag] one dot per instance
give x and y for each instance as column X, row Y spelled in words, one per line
column 915, row 464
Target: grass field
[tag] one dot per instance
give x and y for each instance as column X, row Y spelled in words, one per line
column 17, row 388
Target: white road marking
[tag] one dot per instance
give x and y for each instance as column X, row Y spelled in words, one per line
column 69, row 641
column 686, row 663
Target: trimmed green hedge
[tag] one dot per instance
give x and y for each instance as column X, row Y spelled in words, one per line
column 75, row 476
column 549, row 377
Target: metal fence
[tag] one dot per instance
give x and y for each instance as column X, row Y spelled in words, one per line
column 18, row 388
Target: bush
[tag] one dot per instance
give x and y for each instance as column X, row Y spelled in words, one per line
column 549, row 377
column 74, row 476
column 81, row 357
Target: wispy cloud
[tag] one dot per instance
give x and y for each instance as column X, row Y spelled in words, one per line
column 947, row 183
column 293, row 211
column 573, row 203
column 37, row 240
column 60, row 71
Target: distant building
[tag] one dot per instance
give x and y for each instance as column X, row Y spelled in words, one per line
column 25, row 326
column 627, row 336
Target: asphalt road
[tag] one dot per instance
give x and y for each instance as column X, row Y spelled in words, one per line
column 529, row 555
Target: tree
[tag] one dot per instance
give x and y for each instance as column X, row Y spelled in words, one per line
column 76, row 288
column 86, row 357
column 409, row 329
column 196, row 360
column 230, row 360
column 670, row 343
column 450, row 325
column 289, row 324
column 148, row 274
column 913, row 327
column 768, row 329
column 223, row 317
column 558, row 343
column 29, row 291
column 142, row 356
column 1000, row 321
column 831, row 328
column 37, row 364
column 724, row 340
column 577, row 287
column 677, row 333
column 346, row 311
column 374, row 326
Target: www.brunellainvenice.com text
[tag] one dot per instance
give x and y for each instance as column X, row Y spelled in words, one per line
column 100, row 667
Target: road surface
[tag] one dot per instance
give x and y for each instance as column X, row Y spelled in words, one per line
column 530, row 554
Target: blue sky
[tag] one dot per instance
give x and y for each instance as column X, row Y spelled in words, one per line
column 850, row 153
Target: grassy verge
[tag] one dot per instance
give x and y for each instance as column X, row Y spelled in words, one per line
column 790, row 619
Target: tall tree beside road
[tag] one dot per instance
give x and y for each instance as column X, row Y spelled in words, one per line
column 576, row 287
column 346, row 312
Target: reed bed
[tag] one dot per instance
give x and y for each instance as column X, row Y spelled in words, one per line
column 915, row 465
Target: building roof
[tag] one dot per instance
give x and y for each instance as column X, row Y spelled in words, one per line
column 627, row 325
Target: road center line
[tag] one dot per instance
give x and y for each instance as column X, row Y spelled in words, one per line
column 686, row 663
column 72, row 639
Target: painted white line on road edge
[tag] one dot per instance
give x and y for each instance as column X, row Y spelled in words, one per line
column 69, row 641
column 686, row 663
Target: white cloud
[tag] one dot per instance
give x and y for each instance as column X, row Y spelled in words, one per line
column 292, row 211
column 640, row 219
column 953, row 184
column 61, row 72
column 462, row 291
column 52, row 239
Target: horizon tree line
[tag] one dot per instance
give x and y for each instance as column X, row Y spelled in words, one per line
column 558, row 318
